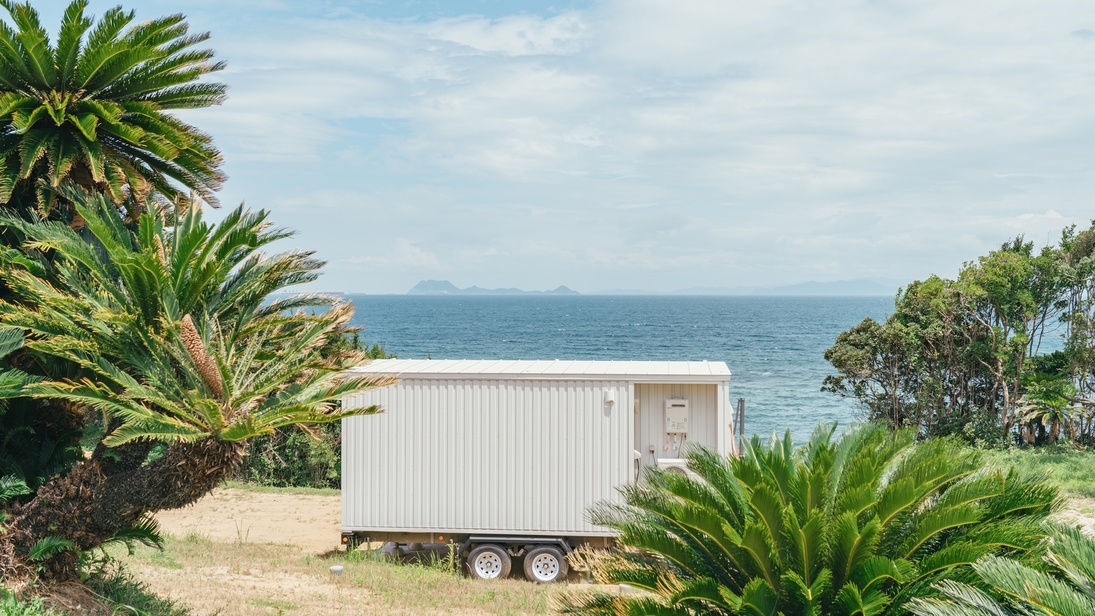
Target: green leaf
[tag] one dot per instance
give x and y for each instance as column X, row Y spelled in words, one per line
column 47, row 547
column 12, row 486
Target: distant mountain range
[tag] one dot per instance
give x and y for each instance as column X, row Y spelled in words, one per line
column 859, row 287
column 862, row 287
column 444, row 287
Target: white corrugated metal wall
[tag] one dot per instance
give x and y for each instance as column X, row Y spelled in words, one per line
column 486, row 455
column 703, row 424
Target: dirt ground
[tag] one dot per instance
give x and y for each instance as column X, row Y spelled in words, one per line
column 1079, row 511
column 250, row 553
column 310, row 522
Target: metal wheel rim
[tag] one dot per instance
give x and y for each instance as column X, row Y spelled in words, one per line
column 488, row 565
column 545, row 567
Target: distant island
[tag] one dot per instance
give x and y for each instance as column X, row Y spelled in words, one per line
column 837, row 288
column 444, row 287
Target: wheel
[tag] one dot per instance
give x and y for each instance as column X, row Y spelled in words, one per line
column 489, row 562
column 545, row 565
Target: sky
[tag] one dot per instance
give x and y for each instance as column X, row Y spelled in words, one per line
column 630, row 144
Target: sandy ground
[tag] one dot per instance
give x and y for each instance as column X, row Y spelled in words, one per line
column 309, row 522
column 1080, row 512
column 248, row 553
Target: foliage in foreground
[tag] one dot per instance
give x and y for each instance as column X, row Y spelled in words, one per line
column 10, row 605
column 856, row 526
column 1014, row 588
column 90, row 108
column 180, row 352
column 300, row 458
column 125, row 595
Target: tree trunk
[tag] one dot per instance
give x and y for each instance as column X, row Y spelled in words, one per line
column 104, row 495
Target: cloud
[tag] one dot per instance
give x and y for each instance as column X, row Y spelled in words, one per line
column 402, row 254
column 642, row 143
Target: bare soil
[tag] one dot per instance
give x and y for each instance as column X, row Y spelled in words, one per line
column 311, row 522
column 249, row 553
column 1079, row 511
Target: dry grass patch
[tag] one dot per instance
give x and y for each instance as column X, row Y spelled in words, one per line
column 211, row 577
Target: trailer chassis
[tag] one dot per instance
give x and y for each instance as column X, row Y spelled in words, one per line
column 489, row 556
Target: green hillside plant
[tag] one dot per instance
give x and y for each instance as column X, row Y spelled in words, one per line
column 92, row 107
column 1002, row 354
column 182, row 352
column 1010, row 588
column 855, row 526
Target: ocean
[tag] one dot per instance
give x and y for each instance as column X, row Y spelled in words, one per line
column 774, row 346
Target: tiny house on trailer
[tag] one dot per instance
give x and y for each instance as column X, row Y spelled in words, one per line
column 504, row 458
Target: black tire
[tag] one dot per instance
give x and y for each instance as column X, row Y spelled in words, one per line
column 545, row 565
column 489, row 562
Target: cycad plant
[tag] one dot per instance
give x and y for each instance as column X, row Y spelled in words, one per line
column 1008, row 587
column 856, row 526
column 182, row 350
column 94, row 107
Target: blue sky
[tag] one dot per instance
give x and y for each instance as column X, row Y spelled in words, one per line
column 651, row 145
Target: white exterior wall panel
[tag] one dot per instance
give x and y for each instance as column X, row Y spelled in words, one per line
column 706, row 408
column 483, row 455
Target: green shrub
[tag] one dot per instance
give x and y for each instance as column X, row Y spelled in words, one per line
column 294, row 458
column 853, row 527
column 1011, row 588
column 124, row 595
column 10, row 605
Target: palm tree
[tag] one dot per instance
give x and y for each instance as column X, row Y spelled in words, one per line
column 91, row 108
column 1048, row 402
column 858, row 526
column 1014, row 588
column 179, row 347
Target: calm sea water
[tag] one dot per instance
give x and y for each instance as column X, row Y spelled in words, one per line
column 773, row 345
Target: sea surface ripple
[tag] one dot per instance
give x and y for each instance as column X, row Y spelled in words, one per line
column 774, row 345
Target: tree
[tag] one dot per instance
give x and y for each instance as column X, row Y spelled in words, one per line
column 1014, row 588
column 856, row 526
column 92, row 108
column 954, row 356
column 923, row 367
column 181, row 349
column 1013, row 294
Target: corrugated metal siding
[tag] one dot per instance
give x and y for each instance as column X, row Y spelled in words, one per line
column 703, row 422
column 485, row 455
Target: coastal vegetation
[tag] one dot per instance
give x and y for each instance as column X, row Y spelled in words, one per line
column 92, row 109
column 142, row 346
column 859, row 525
column 1002, row 354
column 1068, row 589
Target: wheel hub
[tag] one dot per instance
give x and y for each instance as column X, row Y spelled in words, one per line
column 545, row 567
column 488, row 565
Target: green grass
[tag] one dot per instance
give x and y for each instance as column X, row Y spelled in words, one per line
column 236, row 578
column 10, row 605
column 125, row 595
column 250, row 487
column 1070, row 469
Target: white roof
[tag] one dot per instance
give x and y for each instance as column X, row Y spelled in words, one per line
column 668, row 371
